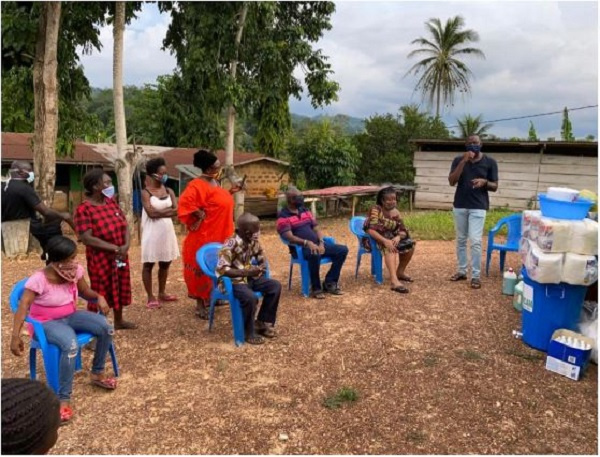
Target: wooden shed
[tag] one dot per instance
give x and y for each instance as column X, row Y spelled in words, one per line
column 525, row 169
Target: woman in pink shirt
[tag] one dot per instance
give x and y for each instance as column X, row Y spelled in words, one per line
column 50, row 297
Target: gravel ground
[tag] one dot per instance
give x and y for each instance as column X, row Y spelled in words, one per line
column 437, row 372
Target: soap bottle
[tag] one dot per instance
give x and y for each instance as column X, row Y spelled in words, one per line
column 509, row 281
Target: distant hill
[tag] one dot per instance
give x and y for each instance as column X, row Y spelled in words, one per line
column 350, row 125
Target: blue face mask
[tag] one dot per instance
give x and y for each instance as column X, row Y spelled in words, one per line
column 476, row 148
column 109, row 192
column 163, row 179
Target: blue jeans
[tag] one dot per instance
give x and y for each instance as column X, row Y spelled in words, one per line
column 469, row 225
column 61, row 332
column 337, row 253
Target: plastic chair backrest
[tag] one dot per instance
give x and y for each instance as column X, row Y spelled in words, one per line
column 208, row 257
column 356, row 226
column 16, row 293
column 514, row 228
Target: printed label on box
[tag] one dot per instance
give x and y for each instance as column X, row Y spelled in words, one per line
column 527, row 298
column 563, row 368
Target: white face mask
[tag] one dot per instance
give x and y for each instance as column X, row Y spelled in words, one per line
column 109, row 192
column 31, row 177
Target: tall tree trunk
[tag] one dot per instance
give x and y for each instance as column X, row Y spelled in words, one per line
column 229, row 144
column 125, row 161
column 45, row 97
column 437, row 109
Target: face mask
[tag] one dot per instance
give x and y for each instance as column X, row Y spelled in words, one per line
column 30, row 177
column 216, row 176
column 66, row 270
column 298, row 200
column 255, row 236
column 163, row 179
column 109, row 192
column 476, row 148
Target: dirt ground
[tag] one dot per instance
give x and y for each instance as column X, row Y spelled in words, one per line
column 437, row 371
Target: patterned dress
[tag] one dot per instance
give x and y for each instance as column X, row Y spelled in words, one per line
column 107, row 223
column 388, row 227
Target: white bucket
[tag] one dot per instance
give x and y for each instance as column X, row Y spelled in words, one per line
column 562, row 193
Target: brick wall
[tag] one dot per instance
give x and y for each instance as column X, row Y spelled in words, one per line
column 263, row 175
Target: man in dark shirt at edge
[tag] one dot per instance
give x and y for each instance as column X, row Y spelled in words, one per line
column 20, row 201
column 474, row 174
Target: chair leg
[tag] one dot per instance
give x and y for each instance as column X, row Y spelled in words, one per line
column 51, row 361
column 113, row 358
column 211, row 312
column 78, row 364
column 237, row 322
column 358, row 257
column 502, row 259
column 305, row 276
column 488, row 258
column 32, row 363
column 377, row 262
column 290, row 275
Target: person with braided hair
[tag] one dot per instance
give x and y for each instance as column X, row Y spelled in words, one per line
column 50, row 297
column 30, row 417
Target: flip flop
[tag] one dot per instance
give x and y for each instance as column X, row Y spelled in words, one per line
column 475, row 283
column 405, row 278
column 153, row 304
column 169, row 298
column 66, row 414
column 255, row 340
column 126, row 326
column 458, row 277
column 400, row 289
column 202, row 313
column 105, row 383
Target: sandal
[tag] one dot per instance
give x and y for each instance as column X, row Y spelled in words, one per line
column 400, row 289
column 475, row 283
column 202, row 313
column 405, row 278
column 152, row 304
column 125, row 325
column 168, row 298
column 318, row 294
column 255, row 340
column 458, row 277
column 105, row 383
column 265, row 329
column 66, row 414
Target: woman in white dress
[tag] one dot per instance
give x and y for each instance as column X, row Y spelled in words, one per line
column 159, row 241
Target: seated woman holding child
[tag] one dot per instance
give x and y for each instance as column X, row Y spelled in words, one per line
column 384, row 224
column 50, row 297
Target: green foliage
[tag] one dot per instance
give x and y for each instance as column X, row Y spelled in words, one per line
column 590, row 137
column 470, row 125
column 443, row 73
column 324, row 157
column 343, row 395
column 277, row 38
column 386, row 154
column 566, row 129
column 532, row 133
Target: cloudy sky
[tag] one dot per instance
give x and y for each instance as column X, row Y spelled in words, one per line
column 540, row 57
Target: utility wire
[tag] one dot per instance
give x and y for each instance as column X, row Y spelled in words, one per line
column 532, row 115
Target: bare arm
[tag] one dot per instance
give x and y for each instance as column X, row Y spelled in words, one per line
column 455, row 175
column 16, row 344
column 154, row 213
column 89, row 240
column 299, row 241
column 86, row 292
column 52, row 215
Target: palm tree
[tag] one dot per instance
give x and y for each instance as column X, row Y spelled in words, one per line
column 470, row 126
column 443, row 72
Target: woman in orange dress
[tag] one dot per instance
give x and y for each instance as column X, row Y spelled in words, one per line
column 206, row 209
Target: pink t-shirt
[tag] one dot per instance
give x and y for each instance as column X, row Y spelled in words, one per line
column 52, row 301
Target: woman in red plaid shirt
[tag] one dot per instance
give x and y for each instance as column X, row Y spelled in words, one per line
column 102, row 227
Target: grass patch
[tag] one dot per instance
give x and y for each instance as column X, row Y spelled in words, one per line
column 439, row 225
column 343, row 395
column 416, row 436
column 468, row 354
column 524, row 355
column 431, row 360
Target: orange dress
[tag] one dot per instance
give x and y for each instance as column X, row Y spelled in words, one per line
column 218, row 205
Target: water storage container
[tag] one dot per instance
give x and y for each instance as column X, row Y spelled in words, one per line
column 547, row 308
column 509, row 281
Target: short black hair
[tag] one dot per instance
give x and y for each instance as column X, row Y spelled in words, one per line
column 58, row 249
column 153, row 165
column 30, row 412
column 91, row 178
column 204, row 159
column 383, row 192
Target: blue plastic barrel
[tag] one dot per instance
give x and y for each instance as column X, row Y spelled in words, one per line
column 554, row 306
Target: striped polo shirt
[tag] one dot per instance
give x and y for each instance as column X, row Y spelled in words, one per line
column 301, row 224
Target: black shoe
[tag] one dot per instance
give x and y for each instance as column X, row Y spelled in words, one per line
column 332, row 288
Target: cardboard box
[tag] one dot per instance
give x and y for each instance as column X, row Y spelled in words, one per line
column 565, row 360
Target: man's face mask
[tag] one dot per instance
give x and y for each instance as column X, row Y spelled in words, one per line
column 298, row 200
column 476, row 148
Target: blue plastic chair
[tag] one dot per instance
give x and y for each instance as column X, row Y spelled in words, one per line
column 303, row 263
column 356, row 227
column 51, row 352
column 513, row 223
column 207, row 258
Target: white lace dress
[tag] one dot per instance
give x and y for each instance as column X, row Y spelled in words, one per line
column 159, row 241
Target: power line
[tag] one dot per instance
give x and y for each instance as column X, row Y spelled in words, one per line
column 532, row 115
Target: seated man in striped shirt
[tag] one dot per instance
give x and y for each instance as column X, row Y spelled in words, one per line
column 298, row 225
